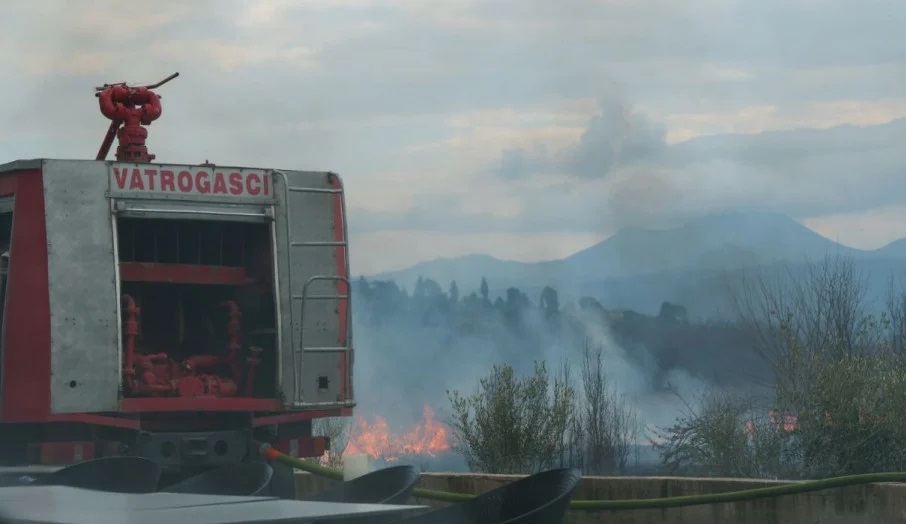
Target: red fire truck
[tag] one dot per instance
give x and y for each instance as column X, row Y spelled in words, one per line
column 184, row 313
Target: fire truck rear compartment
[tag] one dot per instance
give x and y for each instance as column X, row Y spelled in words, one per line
column 197, row 308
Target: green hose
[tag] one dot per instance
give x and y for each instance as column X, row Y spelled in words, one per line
column 631, row 504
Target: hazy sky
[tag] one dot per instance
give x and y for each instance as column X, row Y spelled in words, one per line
column 525, row 129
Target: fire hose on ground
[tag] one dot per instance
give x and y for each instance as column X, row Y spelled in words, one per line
column 630, row 504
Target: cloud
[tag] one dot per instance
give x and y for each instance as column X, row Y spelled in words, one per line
column 492, row 117
column 808, row 114
column 868, row 229
column 616, row 136
column 800, row 172
column 469, row 55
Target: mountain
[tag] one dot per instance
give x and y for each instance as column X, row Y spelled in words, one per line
column 724, row 241
column 895, row 249
column 717, row 242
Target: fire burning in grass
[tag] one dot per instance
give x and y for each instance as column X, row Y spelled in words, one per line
column 427, row 438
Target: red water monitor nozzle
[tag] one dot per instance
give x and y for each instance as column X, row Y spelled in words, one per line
column 132, row 108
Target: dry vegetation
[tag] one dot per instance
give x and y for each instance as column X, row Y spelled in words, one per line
column 523, row 425
column 839, row 389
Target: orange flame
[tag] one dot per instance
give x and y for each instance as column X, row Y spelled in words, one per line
column 428, row 437
column 785, row 423
column 789, row 423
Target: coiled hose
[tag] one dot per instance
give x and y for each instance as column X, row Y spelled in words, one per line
column 630, row 504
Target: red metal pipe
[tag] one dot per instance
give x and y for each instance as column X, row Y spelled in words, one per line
column 199, row 362
column 108, row 139
column 151, row 383
column 132, row 329
column 253, row 360
column 219, row 386
column 234, row 339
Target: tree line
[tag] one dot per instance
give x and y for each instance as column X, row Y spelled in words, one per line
column 523, row 328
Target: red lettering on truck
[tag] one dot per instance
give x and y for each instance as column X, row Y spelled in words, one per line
column 202, row 182
column 235, row 184
column 253, row 184
column 166, row 180
column 136, row 181
column 191, row 181
column 150, row 174
column 219, row 184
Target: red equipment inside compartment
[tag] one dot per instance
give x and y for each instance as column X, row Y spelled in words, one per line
column 190, row 288
column 158, row 375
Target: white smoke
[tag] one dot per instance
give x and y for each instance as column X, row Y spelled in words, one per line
column 659, row 397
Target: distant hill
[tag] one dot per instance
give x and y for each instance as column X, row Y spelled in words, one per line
column 640, row 268
column 895, row 249
column 724, row 241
